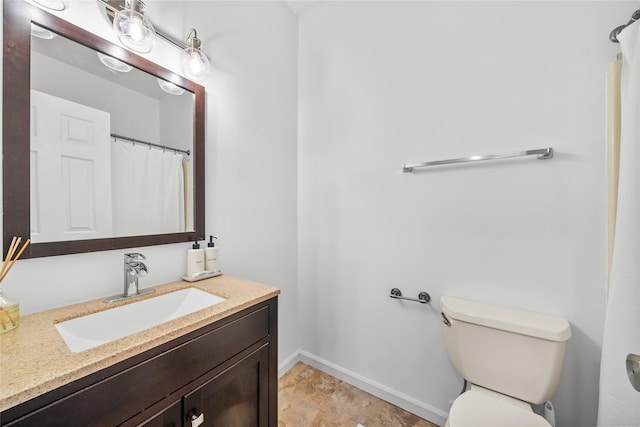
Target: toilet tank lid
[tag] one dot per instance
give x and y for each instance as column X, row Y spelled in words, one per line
column 537, row 325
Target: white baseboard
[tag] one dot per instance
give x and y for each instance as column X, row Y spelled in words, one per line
column 288, row 363
column 381, row 391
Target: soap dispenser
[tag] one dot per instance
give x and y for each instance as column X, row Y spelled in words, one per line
column 211, row 256
column 195, row 260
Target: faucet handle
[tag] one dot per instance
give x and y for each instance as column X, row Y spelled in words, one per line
column 134, row 256
column 140, row 268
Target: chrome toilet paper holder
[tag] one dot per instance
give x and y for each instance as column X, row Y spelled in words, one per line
column 423, row 297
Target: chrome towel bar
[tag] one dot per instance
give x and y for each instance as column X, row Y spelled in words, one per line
column 423, row 297
column 543, row 154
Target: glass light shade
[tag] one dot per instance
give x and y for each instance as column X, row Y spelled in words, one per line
column 42, row 33
column 51, row 4
column 195, row 64
column 134, row 29
column 170, row 87
column 114, row 64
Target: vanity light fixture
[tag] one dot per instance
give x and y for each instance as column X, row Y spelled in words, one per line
column 195, row 64
column 133, row 27
column 170, row 87
column 113, row 63
column 128, row 17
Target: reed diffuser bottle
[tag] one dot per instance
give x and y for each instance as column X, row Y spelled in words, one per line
column 10, row 308
column 9, row 313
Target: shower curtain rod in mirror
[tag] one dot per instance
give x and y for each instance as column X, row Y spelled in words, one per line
column 150, row 144
column 614, row 34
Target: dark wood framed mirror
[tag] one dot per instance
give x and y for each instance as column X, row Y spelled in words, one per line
column 17, row 19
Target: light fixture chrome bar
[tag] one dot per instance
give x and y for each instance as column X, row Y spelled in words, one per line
column 150, row 144
column 170, row 40
column 543, row 154
column 112, row 10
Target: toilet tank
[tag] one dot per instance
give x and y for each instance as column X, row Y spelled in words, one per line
column 514, row 352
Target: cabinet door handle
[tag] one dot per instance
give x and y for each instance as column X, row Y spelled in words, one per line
column 196, row 421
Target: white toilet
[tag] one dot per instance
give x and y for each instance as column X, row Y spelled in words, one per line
column 512, row 358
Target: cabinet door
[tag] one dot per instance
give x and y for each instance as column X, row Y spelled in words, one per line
column 237, row 397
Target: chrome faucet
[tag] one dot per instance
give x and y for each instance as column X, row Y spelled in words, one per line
column 134, row 268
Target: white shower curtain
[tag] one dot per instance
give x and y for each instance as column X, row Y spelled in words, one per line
column 619, row 403
column 148, row 190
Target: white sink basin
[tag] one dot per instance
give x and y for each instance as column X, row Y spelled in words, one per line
column 92, row 330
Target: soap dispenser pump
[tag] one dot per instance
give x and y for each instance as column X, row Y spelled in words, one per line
column 195, row 260
column 211, row 256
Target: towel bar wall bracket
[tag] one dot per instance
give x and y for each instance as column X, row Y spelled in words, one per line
column 542, row 153
column 423, row 297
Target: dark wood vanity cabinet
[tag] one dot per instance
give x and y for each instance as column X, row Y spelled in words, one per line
column 222, row 375
column 235, row 397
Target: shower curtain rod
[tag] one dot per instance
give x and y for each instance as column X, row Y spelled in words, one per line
column 614, row 34
column 150, row 144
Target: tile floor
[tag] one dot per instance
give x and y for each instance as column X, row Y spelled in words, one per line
column 308, row 397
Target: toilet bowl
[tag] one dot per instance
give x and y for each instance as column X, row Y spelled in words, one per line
column 480, row 407
column 512, row 358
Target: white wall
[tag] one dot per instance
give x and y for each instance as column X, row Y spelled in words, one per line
column 176, row 121
column 387, row 83
column 250, row 158
column 252, row 143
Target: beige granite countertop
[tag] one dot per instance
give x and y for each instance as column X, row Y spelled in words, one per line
column 34, row 359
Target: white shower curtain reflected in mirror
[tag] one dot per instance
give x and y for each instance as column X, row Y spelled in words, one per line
column 148, row 190
column 619, row 403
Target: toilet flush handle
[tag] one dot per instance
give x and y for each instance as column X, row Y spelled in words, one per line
column 633, row 370
column 445, row 319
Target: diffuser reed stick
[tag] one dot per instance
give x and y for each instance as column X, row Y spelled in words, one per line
column 8, row 258
column 4, row 271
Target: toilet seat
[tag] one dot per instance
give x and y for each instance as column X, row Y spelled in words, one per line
column 479, row 407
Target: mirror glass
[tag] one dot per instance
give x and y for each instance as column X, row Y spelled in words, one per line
column 110, row 146
column 95, row 158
